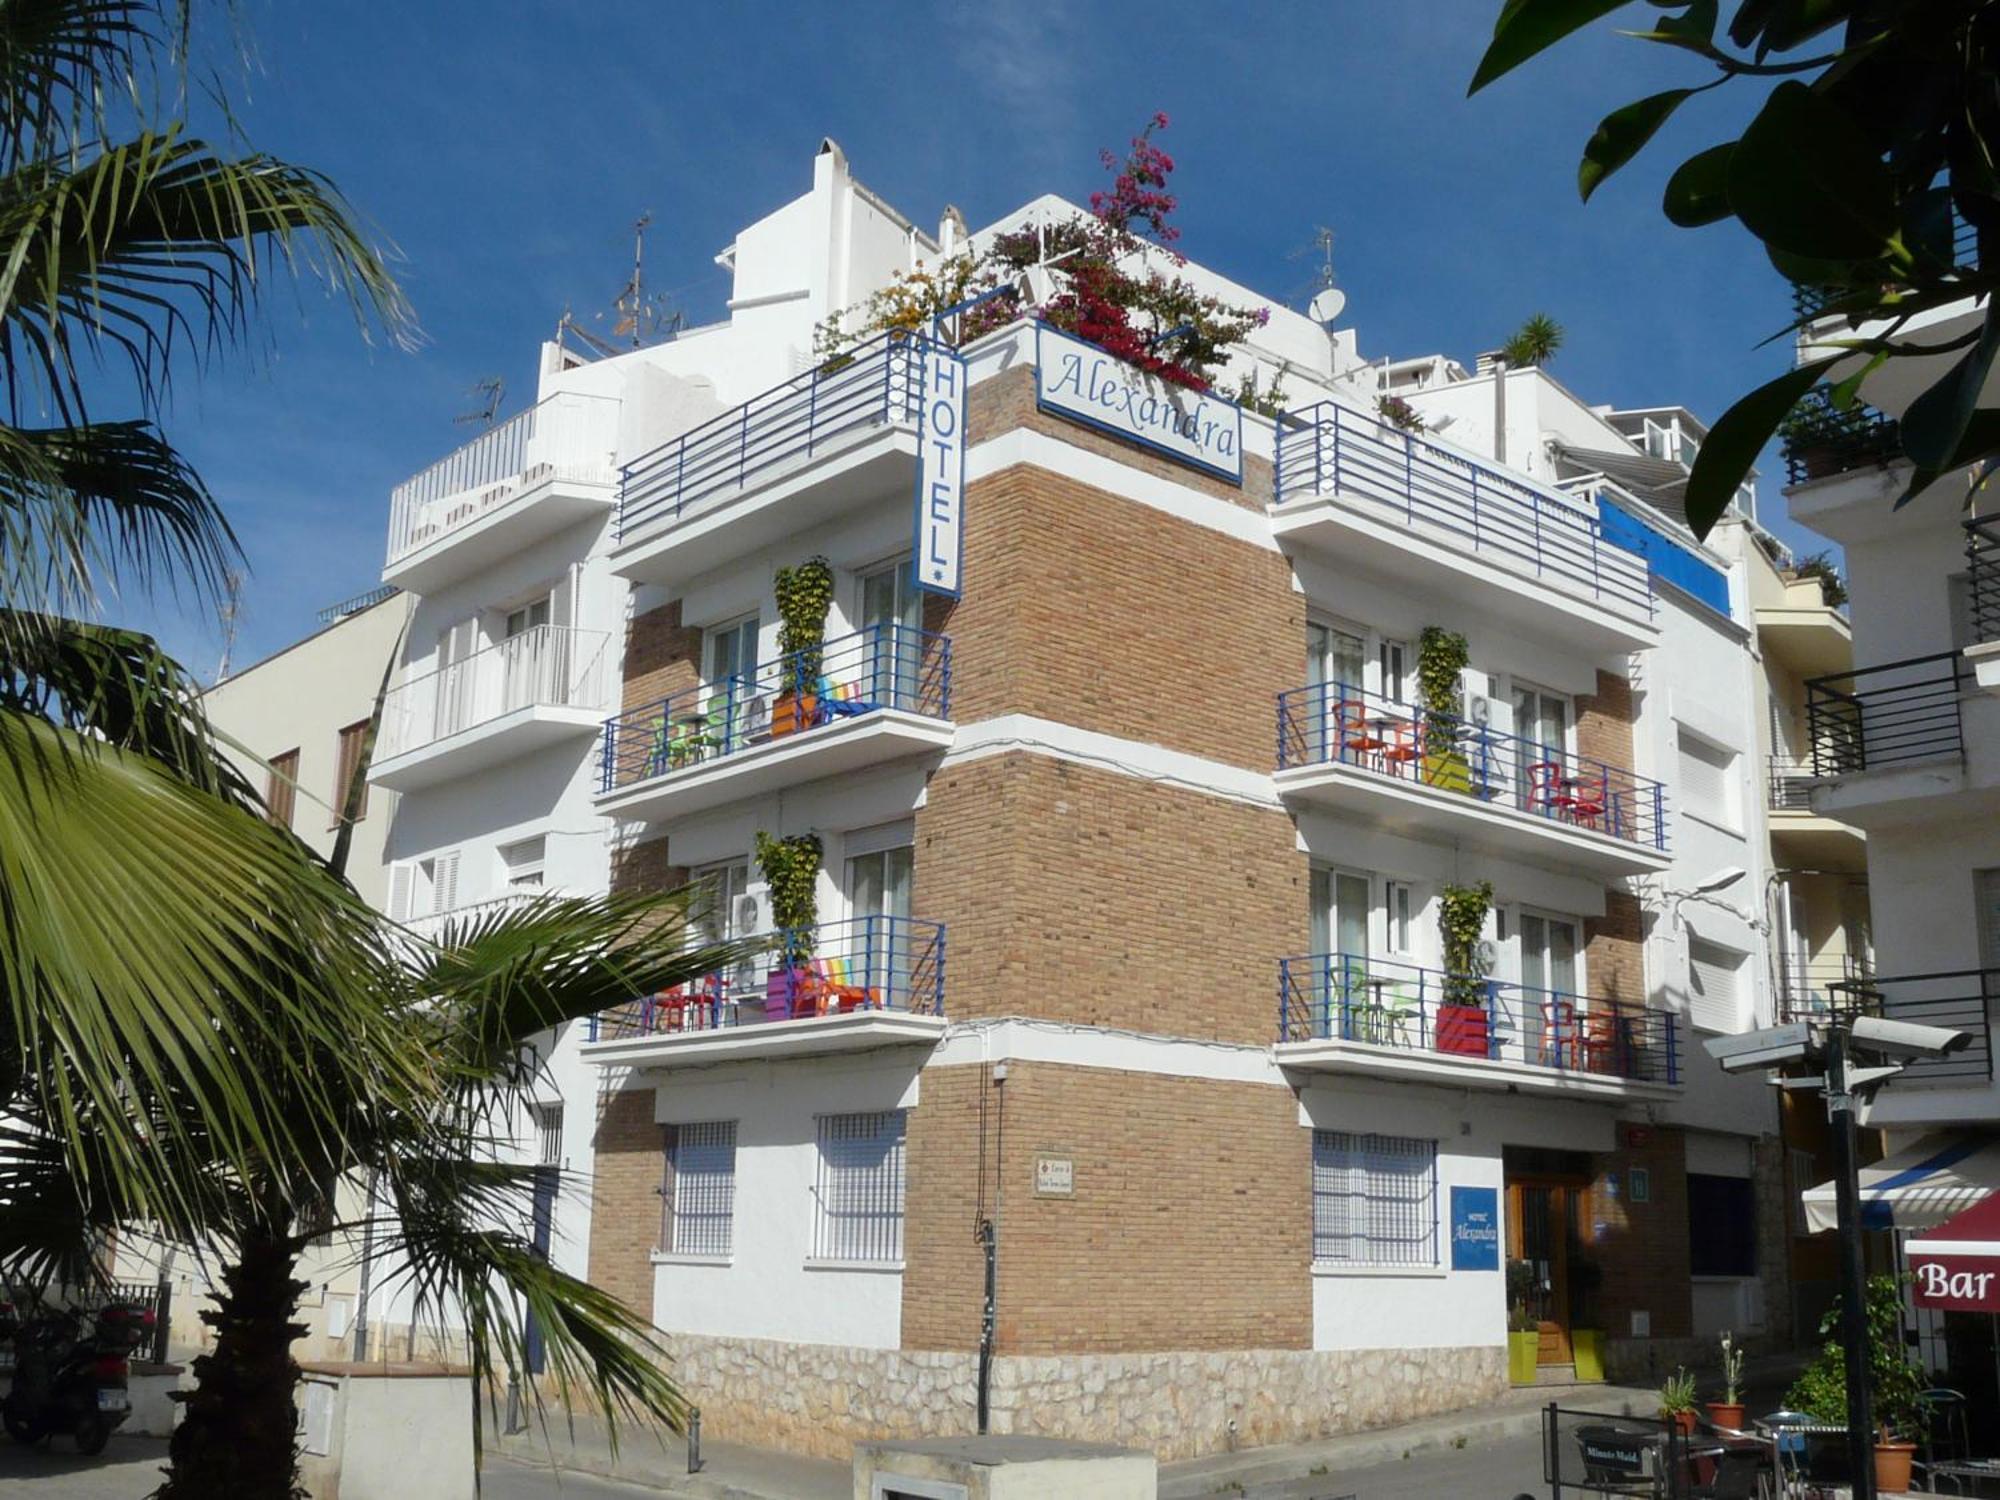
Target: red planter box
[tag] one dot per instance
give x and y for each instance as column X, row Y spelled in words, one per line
column 1462, row 1029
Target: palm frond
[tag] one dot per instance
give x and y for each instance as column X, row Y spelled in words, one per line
column 177, row 977
column 59, row 61
column 159, row 240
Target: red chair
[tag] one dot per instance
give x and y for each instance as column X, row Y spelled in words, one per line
column 1563, row 1042
column 1545, row 789
column 1405, row 747
column 823, row 990
column 1584, row 798
column 1357, row 736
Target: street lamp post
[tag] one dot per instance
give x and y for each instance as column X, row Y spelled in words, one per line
column 1841, row 1108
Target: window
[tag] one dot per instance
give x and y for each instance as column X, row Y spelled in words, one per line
column 735, row 704
column 548, row 1133
column 346, row 761
column 281, row 789
column 698, row 1193
column 892, row 616
column 859, row 1194
column 424, row 887
column 1707, row 779
column 1395, row 683
column 522, row 863
column 1722, row 1226
column 1374, row 1200
column 528, row 617
column 1715, row 984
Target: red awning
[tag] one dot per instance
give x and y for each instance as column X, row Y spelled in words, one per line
column 1957, row 1264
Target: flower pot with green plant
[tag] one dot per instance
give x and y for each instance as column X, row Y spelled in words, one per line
column 1463, row 1025
column 1441, row 661
column 1729, row 1412
column 805, row 595
column 1677, row 1400
column 1895, row 1381
column 791, row 877
column 1524, row 1334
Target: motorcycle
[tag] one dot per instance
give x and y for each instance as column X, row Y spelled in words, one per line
column 72, row 1372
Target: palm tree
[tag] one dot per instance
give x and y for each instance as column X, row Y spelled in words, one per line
column 1535, row 342
column 201, row 1026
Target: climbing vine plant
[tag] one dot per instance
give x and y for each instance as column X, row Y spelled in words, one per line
column 791, row 873
column 1462, row 913
column 1441, row 660
column 805, row 594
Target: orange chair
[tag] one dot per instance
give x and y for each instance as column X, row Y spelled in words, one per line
column 1405, row 746
column 1357, row 735
column 825, row 991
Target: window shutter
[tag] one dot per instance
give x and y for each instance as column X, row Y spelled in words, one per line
column 1715, row 984
column 444, row 882
column 1705, row 774
column 400, row 879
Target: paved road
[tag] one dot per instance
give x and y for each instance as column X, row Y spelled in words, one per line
column 1491, row 1471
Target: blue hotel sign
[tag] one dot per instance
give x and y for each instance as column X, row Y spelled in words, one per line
column 1475, row 1229
column 941, row 470
column 1082, row 382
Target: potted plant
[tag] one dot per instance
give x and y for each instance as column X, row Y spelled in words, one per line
column 1677, row 1401
column 1463, row 1025
column 1399, row 414
column 1524, row 1334
column 805, row 594
column 1728, row 1412
column 791, row 874
column 1441, row 660
column 1893, row 1377
column 1586, row 1337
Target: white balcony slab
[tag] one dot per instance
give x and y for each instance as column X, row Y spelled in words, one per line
column 764, row 1041
column 1454, row 1070
column 1901, row 795
column 1805, row 840
column 1554, row 608
column 1984, row 659
column 851, row 469
column 504, row 520
column 790, row 760
column 1438, row 814
column 494, row 742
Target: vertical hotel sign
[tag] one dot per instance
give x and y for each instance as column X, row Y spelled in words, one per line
column 940, row 469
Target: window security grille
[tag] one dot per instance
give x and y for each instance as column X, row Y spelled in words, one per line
column 698, row 1197
column 860, row 1188
column 1374, row 1199
column 549, row 1133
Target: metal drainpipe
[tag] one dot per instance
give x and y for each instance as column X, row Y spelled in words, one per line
column 985, row 1234
column 989, row 1240
column 1499, row 410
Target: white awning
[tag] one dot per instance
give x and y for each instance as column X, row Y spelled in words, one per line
column 1918, row 1187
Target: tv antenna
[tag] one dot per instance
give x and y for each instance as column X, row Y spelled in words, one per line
column 641, row 317
column 488, row 394
column 1327, row 300
column 226, row 615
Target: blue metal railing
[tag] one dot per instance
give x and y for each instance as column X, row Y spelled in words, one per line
column 1387, row 1003
column 836, row 968
column 1330, row 449
column 1332, row 723
column 878, row 384
column 882, row 667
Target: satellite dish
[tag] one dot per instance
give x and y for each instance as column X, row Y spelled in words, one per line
column 1327, row 305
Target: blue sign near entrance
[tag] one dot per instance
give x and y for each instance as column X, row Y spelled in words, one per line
column 1475, row 1229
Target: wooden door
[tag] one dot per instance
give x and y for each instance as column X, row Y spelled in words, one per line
column 1539, row 1214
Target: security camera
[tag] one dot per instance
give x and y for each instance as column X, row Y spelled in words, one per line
column 1906, row 1038
column 1753, row 1051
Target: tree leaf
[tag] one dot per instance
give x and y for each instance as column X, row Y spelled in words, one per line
column 1804, row 178
column 1738, row 436
column 1623, row 132
column 1527, row 27
column 1937, row 420
column 1793, row 22
column 1749, row 21
column 1698, row 192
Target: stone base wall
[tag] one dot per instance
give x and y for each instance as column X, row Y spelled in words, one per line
column 819, row 1399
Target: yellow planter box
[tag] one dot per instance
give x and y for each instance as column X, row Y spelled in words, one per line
column 1587, row 1344
column 1523, row 1357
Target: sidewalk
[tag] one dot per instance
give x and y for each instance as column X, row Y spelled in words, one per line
column 1515, row 1415
column 730, row 1471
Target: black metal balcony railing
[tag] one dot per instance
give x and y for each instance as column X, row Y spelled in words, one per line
column 1790, row 783
column 1886, row 716
column 1982, row 560
column 1808, row 301
column 1807, row 987
column 1958, row 1000
column 1822, row 440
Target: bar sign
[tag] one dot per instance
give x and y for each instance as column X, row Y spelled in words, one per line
column 940, row 471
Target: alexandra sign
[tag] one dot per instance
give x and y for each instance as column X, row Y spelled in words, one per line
column 1081, row 381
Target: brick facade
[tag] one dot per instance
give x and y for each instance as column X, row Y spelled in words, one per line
column 1643, row 1247
column 662, row 656
column 1060, row 564
column 624, row 1197
column 1604, row 721
column 1172, row 909
column 1614, row 950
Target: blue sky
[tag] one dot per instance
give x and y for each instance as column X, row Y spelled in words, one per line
column 505, row 148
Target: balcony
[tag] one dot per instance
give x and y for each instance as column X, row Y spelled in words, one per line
column 1430, row 518
column 1346, row 1013
column 1809, row 990
column 1800, row 837
column 527, row 479
column 1959, row 1000
column 1820, row 440
column 848, row 986
column 524, row 694
column 795, row 456
column 1893, row 735
column 1982, row 561
column 1438, row 777
column 877, row 696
